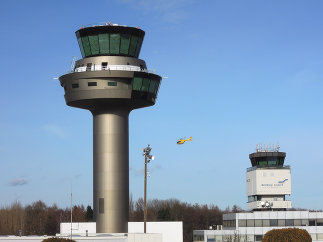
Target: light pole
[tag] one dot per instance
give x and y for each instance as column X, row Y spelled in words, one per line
column 148, row 158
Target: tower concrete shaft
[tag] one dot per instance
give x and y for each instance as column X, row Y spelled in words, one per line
column 110, row 81
column 111, row 170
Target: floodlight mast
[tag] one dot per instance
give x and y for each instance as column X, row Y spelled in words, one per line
column 110, row 81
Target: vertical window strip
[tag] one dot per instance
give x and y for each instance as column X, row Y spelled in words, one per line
column 79, row 40
column 133, row 45
column 86, row 45
column 137, row 82
column 138, row 47
column 124, row 44
column 94, row 44
column 104, row 43
column 145, row 85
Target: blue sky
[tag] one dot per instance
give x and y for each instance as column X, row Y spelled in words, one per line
column 239, row 73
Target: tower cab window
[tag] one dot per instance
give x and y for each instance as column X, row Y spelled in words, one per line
column 88, row 66
column 104, row 65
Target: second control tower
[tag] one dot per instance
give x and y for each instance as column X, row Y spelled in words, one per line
column 110, row 81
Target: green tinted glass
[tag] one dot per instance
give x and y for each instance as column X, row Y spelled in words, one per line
column 104, row 43
column 157, row 87
column 272, row 163
column 145, row 85
column 138, row 47
column 262, row 163
column 152, row 86
column 86, row 46
column 114, row 43
column 79, row 40
column 137, row 81
column 125, row 41
column 133, row 45
column 94, row 43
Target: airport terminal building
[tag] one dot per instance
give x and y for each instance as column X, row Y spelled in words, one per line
column 268, row 183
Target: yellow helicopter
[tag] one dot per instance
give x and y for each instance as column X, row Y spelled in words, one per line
column 182, row 140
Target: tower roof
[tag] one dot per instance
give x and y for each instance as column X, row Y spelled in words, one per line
column 106, row 40
column 267, row 158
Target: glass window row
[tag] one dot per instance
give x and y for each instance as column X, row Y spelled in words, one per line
column 110, row 44
column 145, row 85
column 278, row 222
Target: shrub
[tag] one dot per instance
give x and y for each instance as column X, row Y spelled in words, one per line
column 287, row 235
column 54, row 239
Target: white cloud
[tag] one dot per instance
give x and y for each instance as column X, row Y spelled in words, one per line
column 20, row 181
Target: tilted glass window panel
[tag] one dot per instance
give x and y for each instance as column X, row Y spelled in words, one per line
column 86, row 45
column 115, row 44
column 157, row 87
column 272, row 163
column 137, row 82
column 152, row 86
column 145, row 85
column 79, row 40
column 138, row 47
column 133, row 45
column 125, row 41
column 104, row 43
column 94, row 43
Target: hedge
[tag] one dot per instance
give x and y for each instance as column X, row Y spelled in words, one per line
column 287, row 235
column 54, row 239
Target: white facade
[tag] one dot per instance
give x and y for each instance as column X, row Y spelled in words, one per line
column 267, row 187
column 254, row 225
column 170, row 231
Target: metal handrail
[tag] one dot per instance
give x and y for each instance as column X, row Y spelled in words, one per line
column 112, row 68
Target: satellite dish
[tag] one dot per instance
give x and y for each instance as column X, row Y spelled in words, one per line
column 267, row 204
column 152, row 157
column 262, row 203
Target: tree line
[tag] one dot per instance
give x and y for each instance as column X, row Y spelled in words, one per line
column 40, row 219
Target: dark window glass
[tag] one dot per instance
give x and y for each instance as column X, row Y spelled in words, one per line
column 258, row 237
column 312, row 222
column 115, row 44
column 262, row 163
column 145, row 85
column 86, row 46
column 104, row 43
column 112, row 84
column 79, row 40
column 104, row 65
column 157, row 87
column 289, row 222
column 88, row 66
column 94, row 43
column 152, row 86
column 125, row 41
column 133, row 45
column 272, row 163
column 92, row 84
column 273, row 222
column 137, row 82
column 138, row 47
column 75, row 85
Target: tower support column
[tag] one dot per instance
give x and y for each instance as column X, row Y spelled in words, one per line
column 111, row 170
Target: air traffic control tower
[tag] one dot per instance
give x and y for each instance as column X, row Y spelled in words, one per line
column 268, row 180
column 110, row 81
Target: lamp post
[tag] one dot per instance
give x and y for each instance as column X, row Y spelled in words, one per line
column 148, row 158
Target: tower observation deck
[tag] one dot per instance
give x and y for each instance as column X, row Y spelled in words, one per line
column 110, row 81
